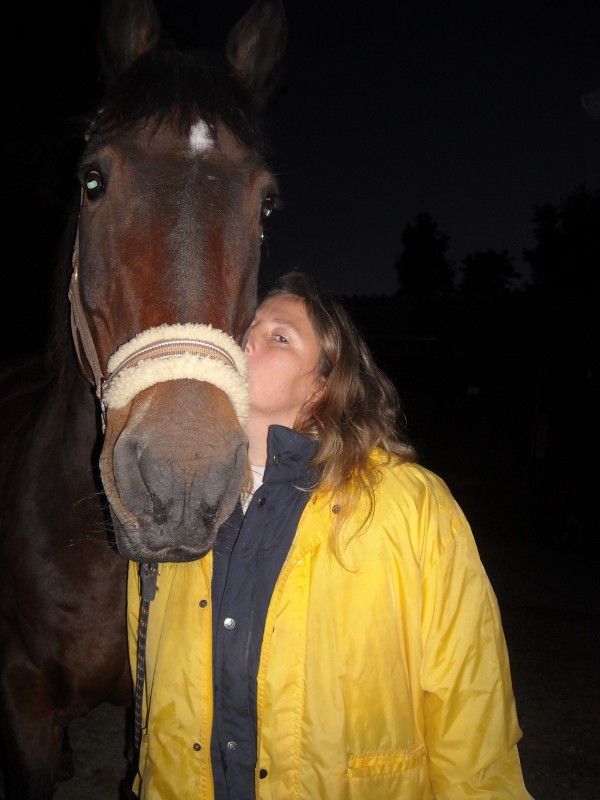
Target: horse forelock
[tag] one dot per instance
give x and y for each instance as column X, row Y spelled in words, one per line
column 179, row 88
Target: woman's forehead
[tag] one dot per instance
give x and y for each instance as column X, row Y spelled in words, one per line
column 283, row 308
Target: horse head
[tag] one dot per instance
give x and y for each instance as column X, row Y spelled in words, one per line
column 174, row 194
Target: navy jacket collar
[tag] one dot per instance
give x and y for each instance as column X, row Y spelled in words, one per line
column 288, row 457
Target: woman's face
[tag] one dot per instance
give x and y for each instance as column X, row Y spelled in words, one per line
column 283, row 356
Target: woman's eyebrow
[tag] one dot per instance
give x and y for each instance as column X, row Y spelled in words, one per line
column 288, row 323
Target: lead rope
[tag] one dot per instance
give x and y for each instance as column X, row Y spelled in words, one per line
column 148, row 573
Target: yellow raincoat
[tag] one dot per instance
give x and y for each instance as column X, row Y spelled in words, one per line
column 385, row 678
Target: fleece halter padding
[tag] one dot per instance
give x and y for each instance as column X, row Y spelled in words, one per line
column 173, row 352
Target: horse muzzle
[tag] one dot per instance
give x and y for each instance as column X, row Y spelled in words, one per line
column 175, row 454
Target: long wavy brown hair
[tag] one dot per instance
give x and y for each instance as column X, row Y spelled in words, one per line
column 357, row 418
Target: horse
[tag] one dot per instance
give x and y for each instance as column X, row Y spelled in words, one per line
column 129, row 443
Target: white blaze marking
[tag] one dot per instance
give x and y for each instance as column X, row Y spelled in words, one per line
column 200, row 137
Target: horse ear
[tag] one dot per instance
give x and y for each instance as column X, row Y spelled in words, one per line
column 128, row 29
column 256, row 44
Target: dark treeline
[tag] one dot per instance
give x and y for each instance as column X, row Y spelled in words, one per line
column 499, row 375
column 564, row 259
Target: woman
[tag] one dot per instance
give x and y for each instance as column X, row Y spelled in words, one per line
column 356, row 648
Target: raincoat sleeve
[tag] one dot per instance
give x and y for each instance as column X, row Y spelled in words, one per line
column 470, row 716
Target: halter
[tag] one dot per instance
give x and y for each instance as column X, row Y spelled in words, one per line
column 159, row 354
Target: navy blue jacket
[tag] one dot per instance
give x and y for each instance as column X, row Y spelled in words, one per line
column 249, row 552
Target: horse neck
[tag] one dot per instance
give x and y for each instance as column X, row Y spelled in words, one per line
column 72, row 405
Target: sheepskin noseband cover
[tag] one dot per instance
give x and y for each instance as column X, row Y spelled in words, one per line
column 172, row 352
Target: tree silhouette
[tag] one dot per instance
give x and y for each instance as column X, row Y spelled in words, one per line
column 567, row 251
column 422, row 266
column 487, row 272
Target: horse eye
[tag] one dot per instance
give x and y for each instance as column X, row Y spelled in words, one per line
column 267, row 207
column 93, row 183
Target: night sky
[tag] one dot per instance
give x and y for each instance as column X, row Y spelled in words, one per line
column 472, row 111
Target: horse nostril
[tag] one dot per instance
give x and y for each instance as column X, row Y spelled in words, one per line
column 209, row 513
column 159, row 512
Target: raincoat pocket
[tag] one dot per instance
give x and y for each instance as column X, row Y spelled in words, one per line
column 368, row 765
